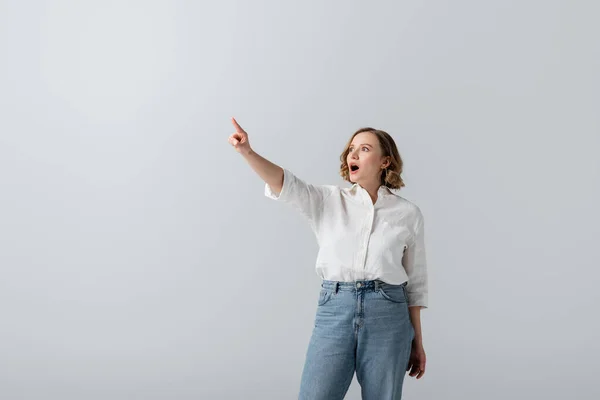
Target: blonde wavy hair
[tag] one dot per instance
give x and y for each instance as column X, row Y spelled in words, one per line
column 389, row 177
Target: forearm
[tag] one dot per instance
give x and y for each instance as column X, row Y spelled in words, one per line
column 415, row 317
column 271, row 173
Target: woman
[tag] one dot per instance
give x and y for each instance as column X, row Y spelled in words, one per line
column 373, row 266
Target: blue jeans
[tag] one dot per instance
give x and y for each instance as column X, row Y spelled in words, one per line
column 361, row 326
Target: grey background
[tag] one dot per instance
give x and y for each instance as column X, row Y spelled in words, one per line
column 139, row 258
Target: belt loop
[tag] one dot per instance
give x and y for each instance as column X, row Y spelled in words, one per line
column 337, row 285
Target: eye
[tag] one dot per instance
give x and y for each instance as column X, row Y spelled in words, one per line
column 365, row 147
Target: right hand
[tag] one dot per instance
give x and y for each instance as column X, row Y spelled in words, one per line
column 239, row 139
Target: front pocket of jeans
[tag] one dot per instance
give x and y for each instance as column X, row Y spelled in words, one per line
column 395, row 294
column 324, row 296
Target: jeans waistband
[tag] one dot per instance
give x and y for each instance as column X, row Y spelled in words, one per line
column 356, row 285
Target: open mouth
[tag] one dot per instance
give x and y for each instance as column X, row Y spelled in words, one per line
column 353, row 168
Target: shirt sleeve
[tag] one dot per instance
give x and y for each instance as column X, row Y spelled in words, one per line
column 303, row 196
column 415, row 265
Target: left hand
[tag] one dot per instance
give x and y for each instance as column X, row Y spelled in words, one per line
column 417, row 360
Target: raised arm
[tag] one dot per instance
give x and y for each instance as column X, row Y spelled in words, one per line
column 280, row 183
column 271, row 173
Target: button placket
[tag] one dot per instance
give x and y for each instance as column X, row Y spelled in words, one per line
column 361, row 253
column 367, row 235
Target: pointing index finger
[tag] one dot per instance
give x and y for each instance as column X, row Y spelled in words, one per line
column 237, row 126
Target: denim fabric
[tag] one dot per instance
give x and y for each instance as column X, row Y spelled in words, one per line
column 363, row 327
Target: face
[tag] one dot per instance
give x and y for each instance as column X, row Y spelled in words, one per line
column 366, row 154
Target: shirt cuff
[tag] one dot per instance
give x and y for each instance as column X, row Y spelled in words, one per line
column 283, row 195
column 417, row 299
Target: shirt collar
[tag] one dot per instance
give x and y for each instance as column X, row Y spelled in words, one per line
column 383, row 190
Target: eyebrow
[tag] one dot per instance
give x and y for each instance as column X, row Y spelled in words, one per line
column 363, row 144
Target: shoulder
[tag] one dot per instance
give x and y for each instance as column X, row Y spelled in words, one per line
column 408, row 208
column 329, row 189
column 406, row 204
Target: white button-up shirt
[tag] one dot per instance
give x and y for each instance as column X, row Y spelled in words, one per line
column 359, row 240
